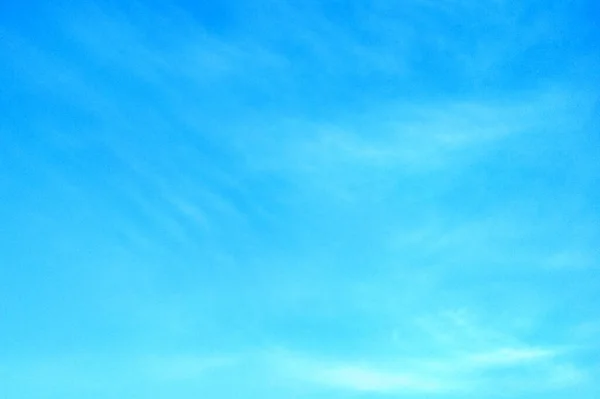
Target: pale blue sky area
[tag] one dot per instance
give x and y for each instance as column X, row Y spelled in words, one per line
column 300, row 199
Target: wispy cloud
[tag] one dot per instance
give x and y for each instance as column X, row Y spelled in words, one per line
column 403, row 195
column 509, row 356
column 457, row 356
column 409, row 137
column 356, row 378
column 526, row 368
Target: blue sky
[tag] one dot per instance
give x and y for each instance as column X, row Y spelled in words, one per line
column 300, row 199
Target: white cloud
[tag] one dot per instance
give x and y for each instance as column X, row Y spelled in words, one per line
column 509, row 357
column 358, row 376
column 368, row 379
column 391, row 140
column 523, row 368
